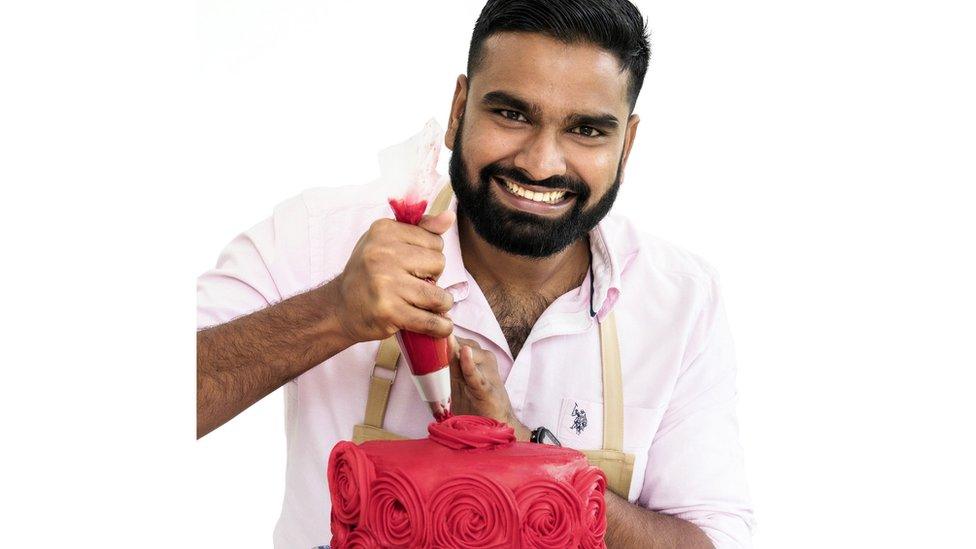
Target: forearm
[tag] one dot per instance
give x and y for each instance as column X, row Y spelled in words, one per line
column 632, row 526
column 244, row 360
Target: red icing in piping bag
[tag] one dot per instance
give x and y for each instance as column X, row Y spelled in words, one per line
column 427, row 356
column 408, row 212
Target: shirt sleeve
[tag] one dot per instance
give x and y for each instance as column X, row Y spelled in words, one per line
column 695, row 467
column 261, row 266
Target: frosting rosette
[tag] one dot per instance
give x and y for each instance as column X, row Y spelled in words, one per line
column 360, row 538
column 470, row 432
column 473, row 511
column 591, row 485
column 551, row 513
column 396, row 513
column 350, row 472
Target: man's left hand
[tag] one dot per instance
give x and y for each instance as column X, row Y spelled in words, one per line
column 477, row 388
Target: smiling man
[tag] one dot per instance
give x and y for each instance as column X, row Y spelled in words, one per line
column 531, row 274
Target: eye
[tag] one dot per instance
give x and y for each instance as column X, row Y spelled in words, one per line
column 587, row 131
column 512, row 115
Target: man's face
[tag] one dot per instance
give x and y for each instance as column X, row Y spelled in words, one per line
column 539, row 153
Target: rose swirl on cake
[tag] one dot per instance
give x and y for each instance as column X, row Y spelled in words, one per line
column 396, row 513
column 591, row 485
column 470, row 432
column 550, row 512
column 350, row 473
column 473, row 511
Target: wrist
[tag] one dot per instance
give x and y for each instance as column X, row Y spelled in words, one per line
column 522, row 433
column 330, row 330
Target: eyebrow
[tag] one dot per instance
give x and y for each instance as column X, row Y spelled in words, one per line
column 505, row 99
column 599, row 121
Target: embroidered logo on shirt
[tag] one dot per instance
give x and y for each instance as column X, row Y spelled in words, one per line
column 579, row 418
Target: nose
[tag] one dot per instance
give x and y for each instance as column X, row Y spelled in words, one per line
column 541, row 157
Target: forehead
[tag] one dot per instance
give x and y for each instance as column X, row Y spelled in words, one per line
column 556, row 76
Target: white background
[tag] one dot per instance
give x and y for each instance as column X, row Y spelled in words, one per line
column 819, row 154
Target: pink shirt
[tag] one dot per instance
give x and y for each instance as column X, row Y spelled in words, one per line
column 676, row 358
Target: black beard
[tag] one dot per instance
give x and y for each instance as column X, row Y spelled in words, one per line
column 522, row 233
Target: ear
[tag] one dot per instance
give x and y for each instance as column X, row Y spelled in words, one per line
column 457, row 110
column 629, row 136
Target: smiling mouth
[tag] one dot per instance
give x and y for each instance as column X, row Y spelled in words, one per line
column 551, row 197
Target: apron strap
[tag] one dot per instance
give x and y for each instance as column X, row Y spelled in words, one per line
column 379, row 386
column 442, row 201
column 613, row 389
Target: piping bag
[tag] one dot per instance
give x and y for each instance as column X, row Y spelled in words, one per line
column 409, row 175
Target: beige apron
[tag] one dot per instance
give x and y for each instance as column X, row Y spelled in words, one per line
column 617, row 465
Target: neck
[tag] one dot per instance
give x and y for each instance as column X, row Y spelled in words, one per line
column 549, row 276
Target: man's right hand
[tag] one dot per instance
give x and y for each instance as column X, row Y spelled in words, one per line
column 384, row 288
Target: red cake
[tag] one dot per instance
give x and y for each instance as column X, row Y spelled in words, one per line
column 469, row 484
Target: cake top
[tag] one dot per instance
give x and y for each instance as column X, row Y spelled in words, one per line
column 463, row 445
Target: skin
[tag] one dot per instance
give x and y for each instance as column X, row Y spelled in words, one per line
column 557, row 83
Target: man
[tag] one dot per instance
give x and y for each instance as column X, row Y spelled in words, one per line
column 541, row 128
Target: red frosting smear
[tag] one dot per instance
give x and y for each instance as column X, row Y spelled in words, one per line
column 350, row 473
column 591, row 485
column 408, row 212
column 551, row 513
column 470, row 432
column 473, row 511
column 359, row 539
column 396, row 514
column 443, row 416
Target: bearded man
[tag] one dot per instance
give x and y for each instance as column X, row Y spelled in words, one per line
column 528, row 267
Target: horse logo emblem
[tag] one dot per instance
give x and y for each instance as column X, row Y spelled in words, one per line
column 579, row 418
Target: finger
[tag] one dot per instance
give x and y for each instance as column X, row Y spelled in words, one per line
column 437, row 224
column 425, row 322
column 454, row 352
column 421, row 262
column 470, row 370
column 418, row 236
column 474, row 379
column 427, row 296
column 454, row 348
column 469, row 343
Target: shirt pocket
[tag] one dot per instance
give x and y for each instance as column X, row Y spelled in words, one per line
column 580, row 426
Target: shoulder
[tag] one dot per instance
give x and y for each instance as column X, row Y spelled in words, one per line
column 343, row 201
column 335, row 202
column 646, row 254
column 321, row 212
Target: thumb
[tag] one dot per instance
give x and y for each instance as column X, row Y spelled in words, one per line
column 437, row 224
column 453, row 349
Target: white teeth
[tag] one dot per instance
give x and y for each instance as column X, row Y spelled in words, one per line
column 547, row 197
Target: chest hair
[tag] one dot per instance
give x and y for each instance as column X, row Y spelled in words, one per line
column 516, row 313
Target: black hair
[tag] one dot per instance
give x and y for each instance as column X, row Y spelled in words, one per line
column 614, row 25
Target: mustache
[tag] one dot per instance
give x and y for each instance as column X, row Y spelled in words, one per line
column 572, row 184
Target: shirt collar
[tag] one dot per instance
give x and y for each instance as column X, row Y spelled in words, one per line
column 610, row 254
column 454, row 278
column 606, row 264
